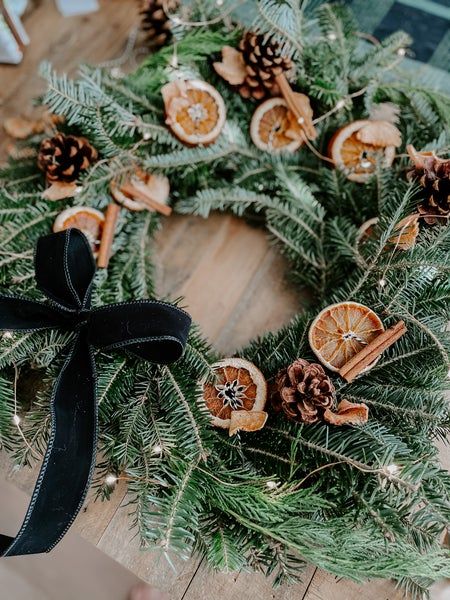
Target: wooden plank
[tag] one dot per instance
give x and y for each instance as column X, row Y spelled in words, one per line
column 66, row 42
column 75, row 569
column 325, row 586
column 122, row 543
column 208, row 585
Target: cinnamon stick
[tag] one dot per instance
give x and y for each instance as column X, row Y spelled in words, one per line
column 109, row 228
column 133, row 191
column 299, row 104
column 10, row 22
column 375, row 348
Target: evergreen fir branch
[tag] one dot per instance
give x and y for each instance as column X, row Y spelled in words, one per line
column 8, row 432
column 172, row 526
column 337, row 20
column 110, row 375
column 66, row 97
column 383, row 56
column 185, row 412
column 283, row 22
column 222, row 551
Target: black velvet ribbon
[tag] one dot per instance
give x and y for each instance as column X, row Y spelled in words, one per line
column 154, row 331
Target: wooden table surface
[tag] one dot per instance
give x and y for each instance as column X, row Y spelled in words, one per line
column 234, row 286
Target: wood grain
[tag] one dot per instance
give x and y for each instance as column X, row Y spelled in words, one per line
column 75, row 570
column 234, row 285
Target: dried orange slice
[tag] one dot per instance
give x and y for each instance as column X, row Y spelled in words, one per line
column 403, row 238
column 88, row 220
column 195, row 111
column 353, row 154
column 341, row 330
column 239, row 387
column 367, row 230
column 405, row 233
column 274, row 127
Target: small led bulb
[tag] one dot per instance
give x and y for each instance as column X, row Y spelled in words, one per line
column 8, row 335
column 110, row 479
column 365, row 164
column 117, row 73
column 332, row 36
column 157, row 449
column 147, row 135
column 271, row 485
column 382, row 283
column 340, row 104
column 16, row 420
column 392, row 469
column 401, row 52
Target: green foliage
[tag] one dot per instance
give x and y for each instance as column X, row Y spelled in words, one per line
column 367, row 501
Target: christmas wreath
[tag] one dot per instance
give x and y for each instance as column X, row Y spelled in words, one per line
column 315, row 442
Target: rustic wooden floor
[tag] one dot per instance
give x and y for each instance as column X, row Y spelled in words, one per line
column 234, row 287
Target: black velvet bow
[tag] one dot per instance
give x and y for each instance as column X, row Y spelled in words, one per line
column 154, row 331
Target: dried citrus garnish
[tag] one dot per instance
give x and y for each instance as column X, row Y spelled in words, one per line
column 239, row 386
column 404, row 235
column 353, row 153
column 341, row 330
column 88, row 220
column 274, row 127
column 195, row 111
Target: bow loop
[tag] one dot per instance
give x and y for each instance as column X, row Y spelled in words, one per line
column 155, row 331
column 21, row 314
column 65, row 268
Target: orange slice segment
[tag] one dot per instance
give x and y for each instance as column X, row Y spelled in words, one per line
column 88, row 220
column 274, row 128
column 341, row 330
column 195, row 111
column 358, row 159
column 238, row 386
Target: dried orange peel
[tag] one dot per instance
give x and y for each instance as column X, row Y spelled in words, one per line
column 347, row 413
column 342, row 330
column 195, row 111
column 237, row 397
column 232, row 68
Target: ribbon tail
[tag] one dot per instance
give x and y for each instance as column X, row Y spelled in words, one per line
column 69, row 460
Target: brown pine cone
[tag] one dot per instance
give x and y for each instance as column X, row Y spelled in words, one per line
column 156, row 21
column 304, row 392
column 63, row 157
column 433, row 175
column 263, row 62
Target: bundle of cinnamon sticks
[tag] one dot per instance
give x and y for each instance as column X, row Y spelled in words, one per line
column 142, row 191
column 369, row 354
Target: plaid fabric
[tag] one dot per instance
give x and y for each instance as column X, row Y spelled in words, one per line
column 426, row 21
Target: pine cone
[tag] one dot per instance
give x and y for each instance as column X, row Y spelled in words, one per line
column 63, row 157
column 263, row 62
column 303, row 392
column 433, row 175
column 156, row 21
